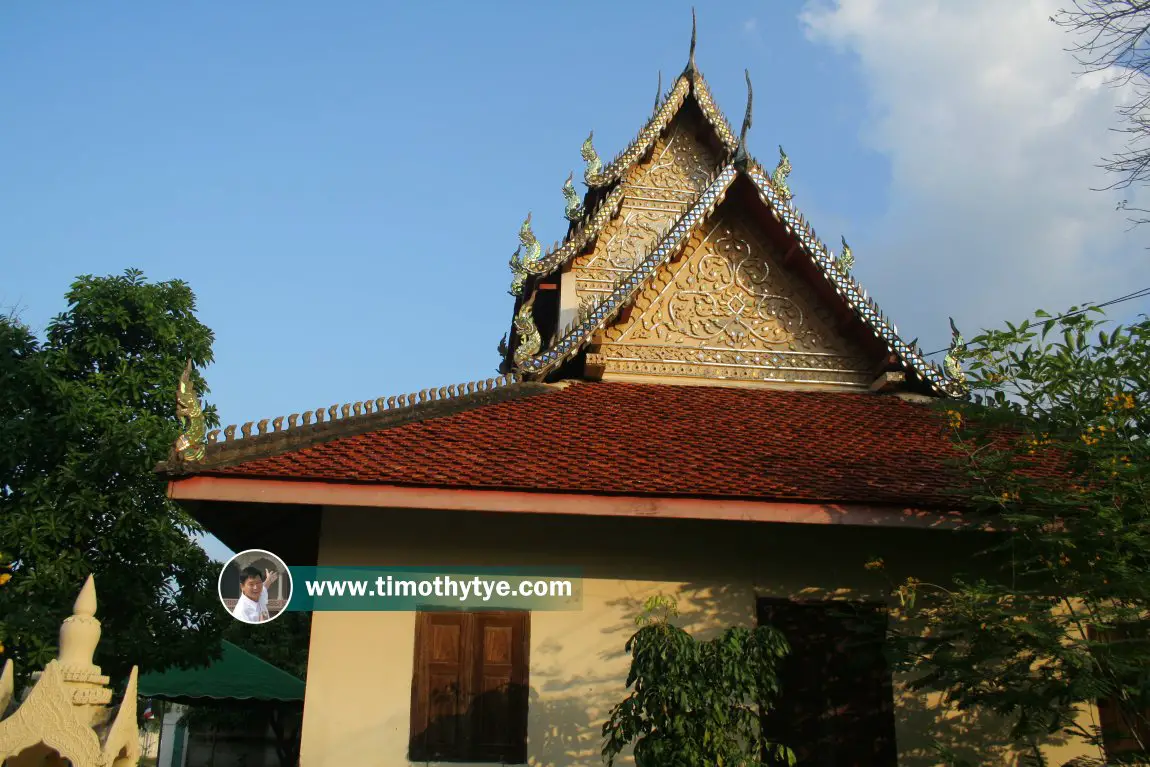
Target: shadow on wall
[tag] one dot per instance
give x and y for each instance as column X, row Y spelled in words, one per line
column 924, row 723
column 569, row 738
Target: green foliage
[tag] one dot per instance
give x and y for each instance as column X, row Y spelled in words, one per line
column 695, row 702
column 1054, row 445
column 282, row 643
column 85, row 416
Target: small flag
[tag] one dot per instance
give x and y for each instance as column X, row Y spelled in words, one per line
column 148, row 711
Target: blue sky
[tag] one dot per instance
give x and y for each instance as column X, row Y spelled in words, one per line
column 342, row 184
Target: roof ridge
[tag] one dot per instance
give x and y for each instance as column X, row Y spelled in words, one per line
column 590, row 225
column 836, row 270
column 341, row 419
column 688, row 83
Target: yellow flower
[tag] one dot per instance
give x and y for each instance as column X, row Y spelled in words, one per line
column 1120, row 401
column 4, row 578
column 954, row 418
column 1, row 648
column 1063, row 559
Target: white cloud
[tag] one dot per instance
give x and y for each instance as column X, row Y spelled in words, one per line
column 994, row 145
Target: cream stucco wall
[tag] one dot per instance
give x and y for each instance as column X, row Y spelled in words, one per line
column 359, row 677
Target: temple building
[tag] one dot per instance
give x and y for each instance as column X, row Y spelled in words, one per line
column 695, row 398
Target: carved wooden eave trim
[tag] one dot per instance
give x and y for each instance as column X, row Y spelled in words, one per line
column 847, row 287
column 575, row 337
column 687, row 84
column 353, row 418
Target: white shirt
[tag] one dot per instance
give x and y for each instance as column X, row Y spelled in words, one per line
column 251, row 611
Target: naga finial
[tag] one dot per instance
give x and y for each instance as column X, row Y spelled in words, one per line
column 779, row 177
column 741, row 152
column 574, row 208
column 953, row 362
column 691, row 58
column 591, row 157
column 193, row 426
column 529, row 340
column 524, row 257
column 846, row 259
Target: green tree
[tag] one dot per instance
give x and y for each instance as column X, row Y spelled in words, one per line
column 1053, row 449
column 282, row 643
column 694, row 702
column 85, row 416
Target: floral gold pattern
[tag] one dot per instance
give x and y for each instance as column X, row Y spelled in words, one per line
column 728, row 305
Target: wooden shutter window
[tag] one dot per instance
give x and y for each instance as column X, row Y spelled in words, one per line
column 469, row 690
column 837, row 703
column 1120, row 737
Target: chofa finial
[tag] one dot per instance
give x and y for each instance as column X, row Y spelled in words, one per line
column 779, row 176
column 573, row 209
column 524, row 257
column 846, row 259
column 953, row 362
column 190, row 445
column 591, row 157
column 741, row 152
column 529, row 341
column 691, row 58
column 658, row 93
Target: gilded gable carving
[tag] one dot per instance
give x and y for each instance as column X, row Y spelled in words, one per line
column 656, row 193
column 729, row 310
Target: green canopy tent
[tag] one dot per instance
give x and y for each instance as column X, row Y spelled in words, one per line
column 238, row 677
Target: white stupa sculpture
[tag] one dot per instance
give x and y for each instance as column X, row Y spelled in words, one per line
column 66, row 719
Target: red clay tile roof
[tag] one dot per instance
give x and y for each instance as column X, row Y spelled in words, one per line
column 649, row 439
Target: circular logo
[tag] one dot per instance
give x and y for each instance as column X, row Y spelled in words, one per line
column 255, row 586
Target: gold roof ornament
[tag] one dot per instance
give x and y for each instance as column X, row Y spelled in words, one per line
column 591, row 157
column 846, row 259
column 525, row 256
column 67, row 709
column 779, row 177
column 741, row 156
column 691, row 69
column 529, row 339
column 190, row 445
column 574, row 208
column 953, row 362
